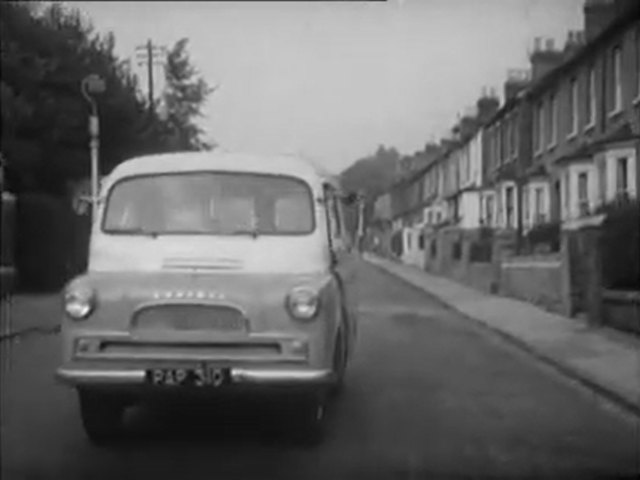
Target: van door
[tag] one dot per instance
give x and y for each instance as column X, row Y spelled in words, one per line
column 345, row 259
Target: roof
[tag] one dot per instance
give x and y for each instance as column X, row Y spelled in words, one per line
column 220, row 160
column 627, row 17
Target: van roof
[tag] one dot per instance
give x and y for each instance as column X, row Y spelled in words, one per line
column 221, row 160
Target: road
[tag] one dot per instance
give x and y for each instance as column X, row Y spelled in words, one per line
column 430, row 395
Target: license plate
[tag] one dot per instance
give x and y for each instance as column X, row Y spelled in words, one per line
column 188, row 377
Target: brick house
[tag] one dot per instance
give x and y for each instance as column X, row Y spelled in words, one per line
column 506, row 145
column 584, row 150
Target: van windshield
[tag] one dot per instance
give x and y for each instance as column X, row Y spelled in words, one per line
column 209, row 203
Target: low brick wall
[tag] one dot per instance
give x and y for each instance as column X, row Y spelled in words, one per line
column 479, row 275
column 622, row 310
column 536, row 279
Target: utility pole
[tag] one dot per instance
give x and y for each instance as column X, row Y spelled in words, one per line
column 149, row 55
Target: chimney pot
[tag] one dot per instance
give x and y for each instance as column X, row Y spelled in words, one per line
column 549, row 44
column 537, row 44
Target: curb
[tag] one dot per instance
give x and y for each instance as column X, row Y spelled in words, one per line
column 28, row 331
column 622, row 401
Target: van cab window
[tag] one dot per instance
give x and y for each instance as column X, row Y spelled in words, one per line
column 210, row 203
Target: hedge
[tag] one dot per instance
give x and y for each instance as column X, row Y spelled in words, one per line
column 543, row 236
column 51, row 242
column 621, row 246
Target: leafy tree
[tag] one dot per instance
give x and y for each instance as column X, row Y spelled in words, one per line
column 186, row 95
column 47, row 50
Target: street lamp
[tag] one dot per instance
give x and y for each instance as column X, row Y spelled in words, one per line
column 93, row 85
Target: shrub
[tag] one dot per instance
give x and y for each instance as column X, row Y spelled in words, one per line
column 620, row 246
column 456, row 252
column 481, row 251
column 46, row 242
column 544, row 236
column 486, row 233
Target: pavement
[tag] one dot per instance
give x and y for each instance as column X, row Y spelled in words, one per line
column 25, row 314
column 429, row 395
column 602, row 359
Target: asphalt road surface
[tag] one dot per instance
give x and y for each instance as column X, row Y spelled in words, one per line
column 430, row 395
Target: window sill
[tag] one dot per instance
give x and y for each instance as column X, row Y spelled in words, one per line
column 552, row 146
column 572, row 135
column 636, row 101
column 590, row 127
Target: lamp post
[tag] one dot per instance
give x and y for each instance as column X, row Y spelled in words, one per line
column 93, row 85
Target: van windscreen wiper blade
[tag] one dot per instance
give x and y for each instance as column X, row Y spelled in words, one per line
column 134, row 231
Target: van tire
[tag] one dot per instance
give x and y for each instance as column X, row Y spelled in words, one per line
column 339, row 366
column 102, row 417
column 310, row 422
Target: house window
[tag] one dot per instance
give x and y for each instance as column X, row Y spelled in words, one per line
column 505, row 140
column 638, row 63
column 509, row 207
column 499, row 143
column 622, row 176
column 551, row 125
column 508, row 140
column 567, row 190
column 583, row 194
column 525, row 204
column 421, row 241
column 468, row 164
column 573, row 107
column 514, row 137
column 616, row 62
column 538, row 206
column 591, row 97
column 540, row 127
column 602, row 179
column 489, row 212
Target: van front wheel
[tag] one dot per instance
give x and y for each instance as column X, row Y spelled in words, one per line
column 339, row 366
column 102, row 417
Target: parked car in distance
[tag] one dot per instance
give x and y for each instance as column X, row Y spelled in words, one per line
column 211, row 272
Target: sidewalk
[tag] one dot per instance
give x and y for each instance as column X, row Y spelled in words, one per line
column 604, row 360
column 29, row 313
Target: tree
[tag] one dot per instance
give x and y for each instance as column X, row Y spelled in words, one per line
column 186, row 95
column 47, row 50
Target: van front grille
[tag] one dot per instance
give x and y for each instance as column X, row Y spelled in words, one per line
column 190, row 317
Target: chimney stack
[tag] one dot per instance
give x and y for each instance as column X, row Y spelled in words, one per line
column 598, row 14
column 575, row 40
column 487, row 105
column 544, row 60
column 517, row 80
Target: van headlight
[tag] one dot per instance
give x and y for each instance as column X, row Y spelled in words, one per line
column 303, row 303
column 79, row 302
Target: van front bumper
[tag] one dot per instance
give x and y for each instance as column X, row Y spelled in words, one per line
column 93, row 377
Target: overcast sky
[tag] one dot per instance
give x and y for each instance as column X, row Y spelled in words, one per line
column 333, row 80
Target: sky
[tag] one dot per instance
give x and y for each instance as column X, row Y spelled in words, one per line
column 334, row 80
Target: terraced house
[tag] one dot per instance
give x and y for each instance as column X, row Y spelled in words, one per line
column 584, row 111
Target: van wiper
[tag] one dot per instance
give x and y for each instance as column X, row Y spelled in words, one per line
column 134, row 231
column 246, row 231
